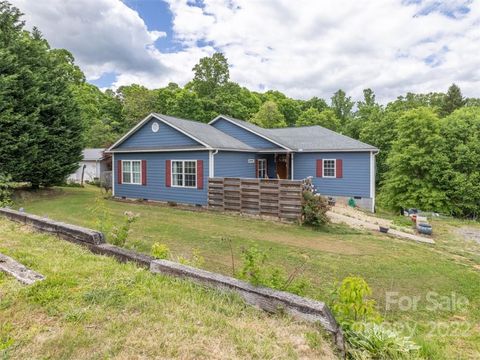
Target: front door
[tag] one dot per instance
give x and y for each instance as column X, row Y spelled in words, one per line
column 281, row 166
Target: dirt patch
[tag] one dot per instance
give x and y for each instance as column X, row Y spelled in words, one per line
column 469, row 233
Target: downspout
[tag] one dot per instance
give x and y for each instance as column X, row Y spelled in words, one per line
column 292, row 177
column 113, row 174
column 373, row 171
column 211, row 172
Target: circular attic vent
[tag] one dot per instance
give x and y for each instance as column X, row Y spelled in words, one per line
column 155, row 127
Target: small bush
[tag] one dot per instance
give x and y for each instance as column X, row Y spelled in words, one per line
column 366, row 336
column 256, row 271
column 119, row 234
column 160, row 251
column 351, row 305
column 314, row 209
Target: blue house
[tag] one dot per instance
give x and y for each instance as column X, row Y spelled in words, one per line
column 164, row 158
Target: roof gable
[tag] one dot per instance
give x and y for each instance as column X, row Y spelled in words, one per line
column 176, row 133
column 166, row 136
column 246, row 132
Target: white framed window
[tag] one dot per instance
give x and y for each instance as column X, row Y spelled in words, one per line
column 262, row 168
column 184, row 173
column 329, row 168
column 132, row 172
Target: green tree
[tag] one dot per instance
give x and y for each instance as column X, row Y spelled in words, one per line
column 211, row 73
column 342, row 105
column 40, row 129
column 236, row 101
column 291, row 110
column 137, row 102
column 380, row 129
column 269, row 116
column 315, row 102
column 326, row 118
column 417, row 164
column 366, row 109
column 461, row 131
column 101, row 114
column 452, row 101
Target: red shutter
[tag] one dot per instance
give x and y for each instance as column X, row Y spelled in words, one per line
column 256, row 168
column 319, row 168
column 144, row 172
column 168, row 173
column 199, row 174
column 339, row 167
column 119, row 171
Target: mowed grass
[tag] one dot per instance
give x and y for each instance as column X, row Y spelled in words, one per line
column 92, row 307
column 410, row 270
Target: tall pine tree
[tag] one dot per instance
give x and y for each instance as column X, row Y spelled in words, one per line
column 452, row 101
column 40, row 129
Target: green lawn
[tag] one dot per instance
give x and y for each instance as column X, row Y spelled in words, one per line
column 92, row 307
column 389, row 265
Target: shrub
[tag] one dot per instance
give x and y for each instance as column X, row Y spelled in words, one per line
column 314, row 209
column 366, row 336
column 5, row 190
column 351, row 305
column 119, row 234
column 160, row 251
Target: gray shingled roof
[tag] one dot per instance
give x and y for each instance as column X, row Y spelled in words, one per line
column 310, row 138
column 205, row 133
column 307, row 138
column 92, row 154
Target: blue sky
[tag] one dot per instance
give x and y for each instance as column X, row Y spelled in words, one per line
column 303, row 48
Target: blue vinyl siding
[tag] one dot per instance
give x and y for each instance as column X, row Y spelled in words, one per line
column 234, row 164
column 165, row 137
column 155, row 188
column 356, row 173
column 243, row 135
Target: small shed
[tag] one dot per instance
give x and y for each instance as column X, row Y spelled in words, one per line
column 93, row 164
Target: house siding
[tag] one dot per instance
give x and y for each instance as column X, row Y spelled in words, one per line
column 243, row 135
column 356, row 173
column 156, row 188
column 166, row 136
column 234, row 164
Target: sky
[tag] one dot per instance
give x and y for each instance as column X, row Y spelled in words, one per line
column 303, row 48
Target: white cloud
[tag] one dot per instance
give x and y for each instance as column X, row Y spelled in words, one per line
column 304, row 48
column 308, row 48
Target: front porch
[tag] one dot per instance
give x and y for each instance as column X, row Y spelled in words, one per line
column 275, row 166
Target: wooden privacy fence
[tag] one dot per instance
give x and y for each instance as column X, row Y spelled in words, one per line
column 266, row 197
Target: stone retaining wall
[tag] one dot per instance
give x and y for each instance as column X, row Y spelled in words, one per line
column 266, row 299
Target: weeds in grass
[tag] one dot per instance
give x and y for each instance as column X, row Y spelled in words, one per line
column 366, row 336
column 257, row 271
column 102, row 215
column 6, row 339
column 119, row 234
column 160, row 251
column 196, row 260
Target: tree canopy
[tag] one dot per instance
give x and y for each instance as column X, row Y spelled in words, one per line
column 40, row 124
